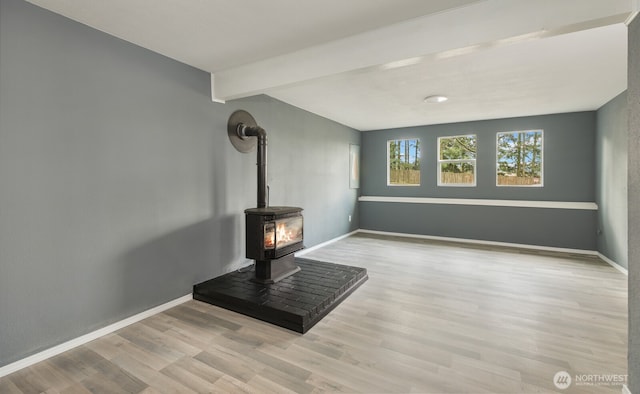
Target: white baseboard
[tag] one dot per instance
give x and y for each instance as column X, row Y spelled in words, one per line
column 318, row 246
column 63, row 347
column 505, row 244
column 613, row 264
column 483, row 242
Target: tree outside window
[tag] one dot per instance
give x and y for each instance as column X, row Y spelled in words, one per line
column 519, row 158
column 457, row 160
column 403, row 162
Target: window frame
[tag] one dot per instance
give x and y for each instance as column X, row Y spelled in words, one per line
column 389, row 164
column 541, row 184
column 473, row 161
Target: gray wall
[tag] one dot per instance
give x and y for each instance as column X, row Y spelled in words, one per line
column 569, row 148
column 119, row 186
column 633, row 105
column 611, row 179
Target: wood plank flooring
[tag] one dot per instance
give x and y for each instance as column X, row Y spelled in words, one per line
column 434, row 317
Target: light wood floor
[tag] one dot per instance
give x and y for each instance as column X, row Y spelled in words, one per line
column 433, row 318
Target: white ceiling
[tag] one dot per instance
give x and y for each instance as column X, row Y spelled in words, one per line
column 369, row 63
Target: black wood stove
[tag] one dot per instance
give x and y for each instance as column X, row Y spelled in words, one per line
column 273, row 234
column 270, row 292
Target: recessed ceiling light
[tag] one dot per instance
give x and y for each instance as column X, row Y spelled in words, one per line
column 436, row 99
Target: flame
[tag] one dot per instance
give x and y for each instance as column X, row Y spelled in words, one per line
column 283, row 234
column 269, row 240
column 280, row 237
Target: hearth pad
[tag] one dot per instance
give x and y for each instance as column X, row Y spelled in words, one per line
column 297, row 302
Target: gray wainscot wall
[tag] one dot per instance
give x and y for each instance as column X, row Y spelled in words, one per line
column 120, row 188
column 569, row 149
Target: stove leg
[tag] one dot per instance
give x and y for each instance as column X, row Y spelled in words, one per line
column 272, row 271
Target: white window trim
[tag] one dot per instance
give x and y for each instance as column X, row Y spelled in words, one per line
column 541, row 184
column 388, row 166
column 440, row 162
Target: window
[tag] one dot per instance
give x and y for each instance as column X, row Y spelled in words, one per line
column 457, row 160
column 519, row 159
column 403, row 162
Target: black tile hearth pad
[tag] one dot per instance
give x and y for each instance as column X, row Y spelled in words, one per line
column 296, row 303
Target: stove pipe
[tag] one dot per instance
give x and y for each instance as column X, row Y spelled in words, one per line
column 257, row 131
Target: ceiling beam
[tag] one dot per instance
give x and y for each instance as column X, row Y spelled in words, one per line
column 479, row 25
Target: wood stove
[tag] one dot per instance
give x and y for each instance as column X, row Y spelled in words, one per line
column 273, row 234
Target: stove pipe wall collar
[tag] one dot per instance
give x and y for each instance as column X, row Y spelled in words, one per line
column 244, row 133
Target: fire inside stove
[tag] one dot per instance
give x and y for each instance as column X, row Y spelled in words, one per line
column 273, row 232
column 282, row 233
